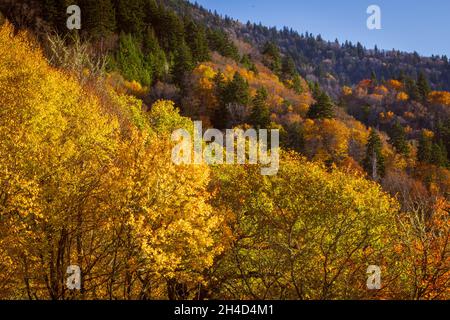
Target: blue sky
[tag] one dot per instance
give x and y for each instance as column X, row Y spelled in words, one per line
column 422, row 26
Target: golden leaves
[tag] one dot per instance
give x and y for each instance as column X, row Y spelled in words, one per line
column 82, row 181
column 402, row 96
column 440, row 97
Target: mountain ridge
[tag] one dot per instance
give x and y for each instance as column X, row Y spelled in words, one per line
column 346, row 62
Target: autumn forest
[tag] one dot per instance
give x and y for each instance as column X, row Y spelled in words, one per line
column 86, row 176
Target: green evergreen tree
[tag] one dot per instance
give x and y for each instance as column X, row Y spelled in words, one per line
column 247, row 62
column 151, row 13
column 219, row 84
column 374, row 162
column 55, row 13
column 260, row 115
column 398, row 139
column 323, row 108
column 288, row 69
column 183, row 63
column 443, row 134
column 401, row 76
column 129, row 60
column 155, row 57
column 294, row 138
column 373, row 77
column 220, row 42
column 130, row 16
column 423, row 86
column 99, row 19
column 237, row 91
column 171, row 31
column 424, row 152
column 315, row 90
column 439, row 154
column 273, row 60
column 412, row 89
column 297, row 84
column 221, row 115
column 197, row 41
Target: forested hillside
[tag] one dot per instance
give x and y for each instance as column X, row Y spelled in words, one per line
column 86, row 176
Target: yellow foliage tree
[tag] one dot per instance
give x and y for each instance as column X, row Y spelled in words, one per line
column 92, row 184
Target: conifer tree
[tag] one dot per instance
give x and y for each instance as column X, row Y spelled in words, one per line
column 260, row 115
column 237, row 91
column 424, row 151
column 130, row 60
column 220, row 116
column 183, row 63
column 315, row 90
column 398, row 139
column 439, row 154
column 247, row 62
column 373, row 77
column 219, row 84
column 130, row 16
column 323, row 108
column 99, row 18
column 155, row 57
column 55, row 13
column 423, row 86
column 272, row 52
column 443, row 134
column 412, row 89
column 197, row 41
column 288, row 69
column 151, row 12
column 374, row 162
column 170, row 30
column 297, row 84
column 220, row 42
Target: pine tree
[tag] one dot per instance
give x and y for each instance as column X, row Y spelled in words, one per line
column 130, row 60
column 294, row 138
column 401, row 76
column 221, row 116
column 247, row 62
column 443, row 134
column 183, row 63
column 237, row 91
column 374, row 162
column 323, row 108
column 373, row 77
column 412, row 89
column 398, row 139
column 151, row 11
column 315, row 90
column 99, row 19
column 297, row 84
column 360, row 50
column 55, row 13
column 130, row 16
column 439, row 154
column 220, row 42
column 155, row 57
column 171, row 31
column 288, row 69
column 260, row 115
column 197, row 41
column 273, row 60
column 423, row 86
column 424, row 152
column 219, row 84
